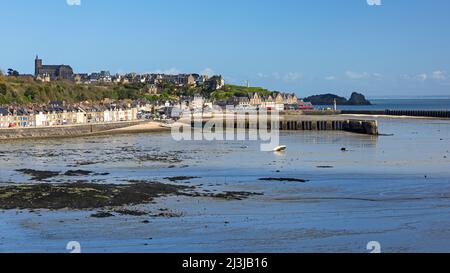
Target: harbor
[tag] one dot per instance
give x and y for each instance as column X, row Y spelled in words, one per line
column 378, row 188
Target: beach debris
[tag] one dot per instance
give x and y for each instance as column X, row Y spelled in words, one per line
column 284, row 179
column 344, row 149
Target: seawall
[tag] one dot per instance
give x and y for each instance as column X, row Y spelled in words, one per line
column 64, row 131
column 299, row 122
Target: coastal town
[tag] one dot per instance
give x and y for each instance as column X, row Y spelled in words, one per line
column 107, row 110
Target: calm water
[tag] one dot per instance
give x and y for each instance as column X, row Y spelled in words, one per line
column 391, row 189
column 402, row 104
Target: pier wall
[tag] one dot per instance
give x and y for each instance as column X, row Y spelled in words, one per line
column 302, row 123
column 63, row 131
column 366, row 127
column 407, row 113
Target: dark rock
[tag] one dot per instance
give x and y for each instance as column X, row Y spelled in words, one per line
column 38, row 175
column 328, row 99
column 284, row 179
column 77, row 173
column 358, row 99
column 180, row 178
column 83, row 195
column 102, row 215
column 131, row 212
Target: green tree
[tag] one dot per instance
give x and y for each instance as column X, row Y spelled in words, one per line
column 12, row 72
column 30, row 94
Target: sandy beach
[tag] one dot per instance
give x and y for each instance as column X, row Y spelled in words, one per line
column 151, row 126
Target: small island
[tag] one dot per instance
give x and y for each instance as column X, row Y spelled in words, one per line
column 328, row 99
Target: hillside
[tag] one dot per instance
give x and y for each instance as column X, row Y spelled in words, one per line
column 22, row 91
column 26, row 91
column 228, row 91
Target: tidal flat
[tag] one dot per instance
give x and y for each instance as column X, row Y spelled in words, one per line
column 228, row 196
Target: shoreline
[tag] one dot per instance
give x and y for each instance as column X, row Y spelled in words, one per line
column 85, row 130
column 138, row 127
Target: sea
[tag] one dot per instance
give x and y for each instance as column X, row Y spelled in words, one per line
column 393, row 190
column 436, row 103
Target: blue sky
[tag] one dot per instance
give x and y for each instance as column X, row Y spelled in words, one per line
column 400, row 48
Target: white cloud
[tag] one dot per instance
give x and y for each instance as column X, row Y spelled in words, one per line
column 73, row 2
column 330, row 78
column 293, row 76
column 290, row 76
column 261, row 75
column 171, row 71
column 439, row 75
column 362, row 75
column 422, row 77
column 357, row 75
column 208, row 71
column 374, row 2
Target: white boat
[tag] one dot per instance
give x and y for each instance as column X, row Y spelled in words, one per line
column 280, row 149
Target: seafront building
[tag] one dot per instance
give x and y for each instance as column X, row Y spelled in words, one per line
column 57, row 115
column 274, row 101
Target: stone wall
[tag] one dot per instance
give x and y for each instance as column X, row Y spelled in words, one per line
column 63, row 131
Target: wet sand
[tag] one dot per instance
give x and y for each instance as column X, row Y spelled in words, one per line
column 148, row 127
column 393, row 189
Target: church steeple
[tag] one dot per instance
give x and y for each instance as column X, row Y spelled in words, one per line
column 37, row 65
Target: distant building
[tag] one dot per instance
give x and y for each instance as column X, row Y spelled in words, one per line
column 152, row 89
column 54, row 72
column 215, row 83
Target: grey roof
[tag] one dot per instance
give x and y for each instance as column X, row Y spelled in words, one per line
column 4, row 112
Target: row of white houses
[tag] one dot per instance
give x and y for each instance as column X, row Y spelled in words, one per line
column 11, row 118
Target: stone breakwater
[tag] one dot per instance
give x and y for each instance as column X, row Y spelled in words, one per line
column 296, row 121
column 366, row 127
column 64, row 131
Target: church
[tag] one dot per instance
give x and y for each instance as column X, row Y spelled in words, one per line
column 52, row 72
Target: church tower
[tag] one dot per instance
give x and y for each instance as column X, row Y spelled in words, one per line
column 37, row 65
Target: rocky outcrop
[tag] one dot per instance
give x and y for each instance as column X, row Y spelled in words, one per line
column 328, row 99
column 358, row 99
